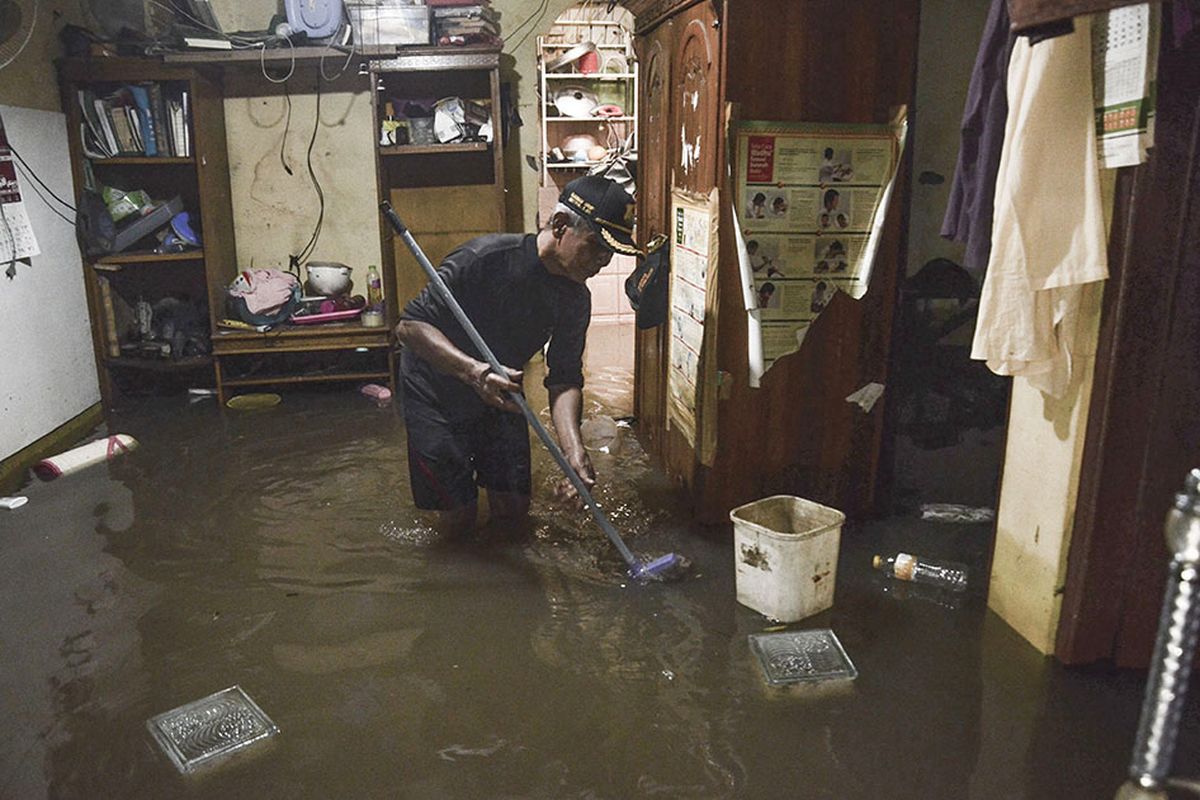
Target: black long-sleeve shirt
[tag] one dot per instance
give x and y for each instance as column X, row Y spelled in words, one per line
column 514, row 303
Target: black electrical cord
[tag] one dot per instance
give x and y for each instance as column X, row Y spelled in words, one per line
column 287, row 124
column 34, row 175
column 537, row 13
column 297, row 260
column 42, row 197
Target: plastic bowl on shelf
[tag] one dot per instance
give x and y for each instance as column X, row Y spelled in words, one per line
column 577, row 147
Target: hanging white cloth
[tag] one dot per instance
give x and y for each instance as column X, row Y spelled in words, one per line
column 1048, row 235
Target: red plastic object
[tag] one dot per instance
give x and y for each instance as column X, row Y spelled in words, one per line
column 380, row 394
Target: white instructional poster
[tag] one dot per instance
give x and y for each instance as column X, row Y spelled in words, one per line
column 16, row 234
column 693, row 250
column 809, row 205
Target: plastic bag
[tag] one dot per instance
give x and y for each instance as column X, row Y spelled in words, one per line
column 122, row 204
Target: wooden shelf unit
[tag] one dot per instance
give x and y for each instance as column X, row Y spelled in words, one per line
column 202, row 180
column 336, row 338
column 445, row 193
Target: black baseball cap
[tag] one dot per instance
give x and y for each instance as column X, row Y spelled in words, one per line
column 607, row 206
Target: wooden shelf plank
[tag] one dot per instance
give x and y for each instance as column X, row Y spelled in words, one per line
column 159, row 365
column 426, row 149
column 306, row 331
column 402, row 56
column 590, row 76
column 142, row 257
column 324, row 378
column 575, row 165
column 588, row 119
column 252, row 55
column 143, row 160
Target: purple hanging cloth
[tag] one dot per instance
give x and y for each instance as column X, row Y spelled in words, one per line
column 969, row 213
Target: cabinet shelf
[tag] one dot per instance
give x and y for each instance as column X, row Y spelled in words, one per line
column 159, row 365
column 574, row 165
column 142, row 257
column 426, row 149
column 142, row 160
column 589, row 76
column 287, row 330
column 590, row 119
column 286, row 378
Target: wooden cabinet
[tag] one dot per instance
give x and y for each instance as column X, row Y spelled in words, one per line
column 446, row 193
column 820, row 61
column 139, row 278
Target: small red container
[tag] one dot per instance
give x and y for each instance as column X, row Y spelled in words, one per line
column 589, row 62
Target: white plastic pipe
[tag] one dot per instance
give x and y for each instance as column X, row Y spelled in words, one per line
column 84, row 456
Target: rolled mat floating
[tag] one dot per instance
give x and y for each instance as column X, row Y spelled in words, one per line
column 84, row 456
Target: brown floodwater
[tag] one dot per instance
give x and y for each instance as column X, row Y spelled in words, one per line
column 279, row 550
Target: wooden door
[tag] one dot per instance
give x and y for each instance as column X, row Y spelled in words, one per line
column 1143, row 430
column 654, row 58
column 840, row 63
column 693, row 149
column 797, row 434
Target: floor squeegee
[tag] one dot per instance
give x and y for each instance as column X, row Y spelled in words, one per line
column 658, row 568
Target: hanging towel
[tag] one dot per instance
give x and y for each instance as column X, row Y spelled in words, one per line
column 1048, row 236
column 969, row 212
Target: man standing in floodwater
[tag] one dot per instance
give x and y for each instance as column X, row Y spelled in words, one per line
column 520, row 291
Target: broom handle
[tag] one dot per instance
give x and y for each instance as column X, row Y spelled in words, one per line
column 463, row 320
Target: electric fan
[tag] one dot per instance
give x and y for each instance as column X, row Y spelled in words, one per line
column 17, row 18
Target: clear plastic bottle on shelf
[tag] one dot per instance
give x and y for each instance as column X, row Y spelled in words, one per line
column 903, row 566
column 374, row 289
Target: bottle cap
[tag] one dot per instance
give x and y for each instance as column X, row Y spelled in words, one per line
column 877, row 562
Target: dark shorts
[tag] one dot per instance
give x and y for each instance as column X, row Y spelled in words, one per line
column 449, row 460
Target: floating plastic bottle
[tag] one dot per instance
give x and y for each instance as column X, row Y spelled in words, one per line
column 946, row 574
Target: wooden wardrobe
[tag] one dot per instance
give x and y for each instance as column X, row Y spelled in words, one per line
column 780, row 60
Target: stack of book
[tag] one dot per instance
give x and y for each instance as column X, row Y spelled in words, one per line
column 476, row 23
column 138, row 119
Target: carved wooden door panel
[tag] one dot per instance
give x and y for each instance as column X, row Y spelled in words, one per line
column 695, row 98
column 654, row 57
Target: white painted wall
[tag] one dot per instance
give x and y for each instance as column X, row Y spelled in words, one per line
column 48, row 375
column 949, row 38
column 273, row 212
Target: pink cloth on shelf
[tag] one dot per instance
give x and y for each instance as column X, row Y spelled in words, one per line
column 268, row 289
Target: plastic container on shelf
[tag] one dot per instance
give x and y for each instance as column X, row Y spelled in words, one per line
column 785, row 556
column 375, row 24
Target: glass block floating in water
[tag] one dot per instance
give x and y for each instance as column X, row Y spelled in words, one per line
column 802, row 657
column 200, row 731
